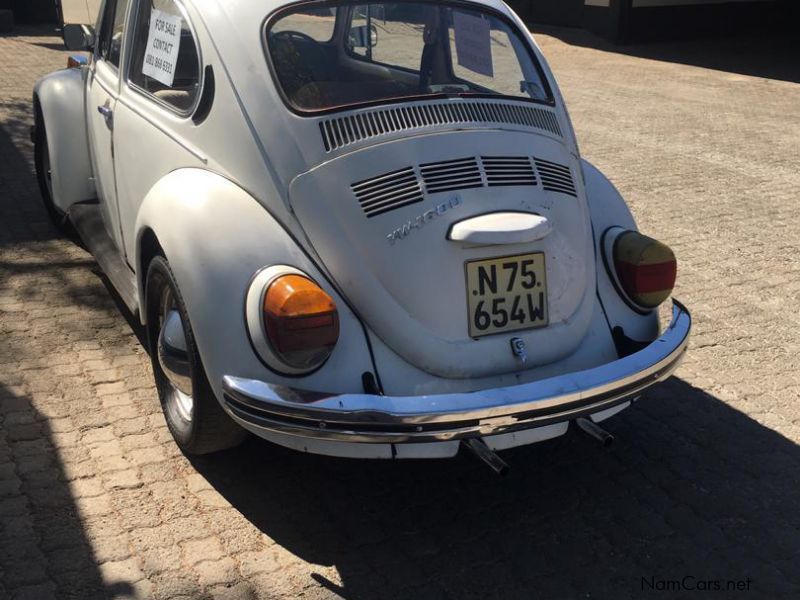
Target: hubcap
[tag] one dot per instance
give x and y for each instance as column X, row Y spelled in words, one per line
column 173, row 357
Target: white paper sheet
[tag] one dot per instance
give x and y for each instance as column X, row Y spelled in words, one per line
column 473, row 43
column 163, row 45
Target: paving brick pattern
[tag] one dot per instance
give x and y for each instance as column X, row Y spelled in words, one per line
column 96, row 501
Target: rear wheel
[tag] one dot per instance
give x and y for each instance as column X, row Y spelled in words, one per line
column 194, row 416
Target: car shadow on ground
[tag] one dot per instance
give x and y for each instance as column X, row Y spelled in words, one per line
column 20, row 205
column 50, row 45
column 44, row 547
column 43, row 543
column 767, row 55
column 691, row 488
column 21, row 209
column 28, row 30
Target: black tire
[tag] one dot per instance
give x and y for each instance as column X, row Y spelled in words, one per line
column 41, row 156
column 209, row 428
column 60, row 16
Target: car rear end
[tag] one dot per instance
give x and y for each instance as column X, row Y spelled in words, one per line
column 431, row 166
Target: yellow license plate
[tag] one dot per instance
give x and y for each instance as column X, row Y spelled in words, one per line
column 506, row 294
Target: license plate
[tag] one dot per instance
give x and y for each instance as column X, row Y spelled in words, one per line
column 506, row 294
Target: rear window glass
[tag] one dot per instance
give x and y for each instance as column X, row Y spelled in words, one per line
column 329, row 56
column 316, row 23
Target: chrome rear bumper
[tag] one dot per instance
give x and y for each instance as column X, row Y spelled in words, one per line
column 366, row 418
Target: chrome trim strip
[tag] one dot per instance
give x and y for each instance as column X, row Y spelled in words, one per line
column 384, row 419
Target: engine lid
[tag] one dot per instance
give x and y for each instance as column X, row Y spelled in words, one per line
column 389, row 221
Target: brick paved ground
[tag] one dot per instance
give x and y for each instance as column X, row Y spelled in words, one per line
column 95, row 501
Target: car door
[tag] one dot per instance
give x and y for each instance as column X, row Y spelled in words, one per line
column 154, row 128
column 103, row 91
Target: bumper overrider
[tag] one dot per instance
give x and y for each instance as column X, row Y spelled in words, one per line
column 366, row 418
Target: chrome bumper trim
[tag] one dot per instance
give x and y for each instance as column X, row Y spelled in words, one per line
column 366, row 418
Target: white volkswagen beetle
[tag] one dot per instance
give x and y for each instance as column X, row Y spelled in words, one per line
column 353, row 229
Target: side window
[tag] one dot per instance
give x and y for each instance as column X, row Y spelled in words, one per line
column 112, row 31
column 164, row 59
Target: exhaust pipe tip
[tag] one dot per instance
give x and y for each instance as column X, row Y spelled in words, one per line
column 594, row 430
column 486, row 455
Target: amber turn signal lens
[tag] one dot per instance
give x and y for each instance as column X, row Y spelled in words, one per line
column 646, row 268
column 301, row 321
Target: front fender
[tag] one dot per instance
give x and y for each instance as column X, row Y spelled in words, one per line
column 216, row 237
column 60, row 106
column 609, row 209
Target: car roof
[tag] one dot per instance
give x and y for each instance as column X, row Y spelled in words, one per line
column 248, row 9
column 234, row 23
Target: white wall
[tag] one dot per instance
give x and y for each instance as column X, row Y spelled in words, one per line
column 80, row 11
column 647, row 3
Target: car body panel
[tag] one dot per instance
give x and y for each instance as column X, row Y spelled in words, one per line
column 221, row 239
column 60, row 97
column 410, row 290
column 147, row 142
column 608, row 209
column 101, row 100
column 401, row 377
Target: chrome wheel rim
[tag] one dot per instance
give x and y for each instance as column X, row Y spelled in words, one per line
column 184, row 405
column 173, row 358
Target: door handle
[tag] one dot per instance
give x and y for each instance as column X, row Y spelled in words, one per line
column 500, row 228
column 108, row 115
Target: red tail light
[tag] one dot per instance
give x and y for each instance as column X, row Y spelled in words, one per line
column 301, row 321
column 645, row 268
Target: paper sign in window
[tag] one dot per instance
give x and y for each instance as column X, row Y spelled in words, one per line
column 163, row 45
column 473, row 43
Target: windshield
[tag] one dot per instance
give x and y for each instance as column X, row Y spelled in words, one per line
column 326, row 56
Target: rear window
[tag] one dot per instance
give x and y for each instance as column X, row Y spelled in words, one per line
column 315, row 23
column 327, row 56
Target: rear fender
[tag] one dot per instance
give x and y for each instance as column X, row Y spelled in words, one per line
column 608, row 209
column 216, row 237
column 59, row 105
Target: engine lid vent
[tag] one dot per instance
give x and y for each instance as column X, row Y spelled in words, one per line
column 555, row 177
column 396, row 189
column 342, row 131
column 449, row 175
column 508, row 170
column 389, row 191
